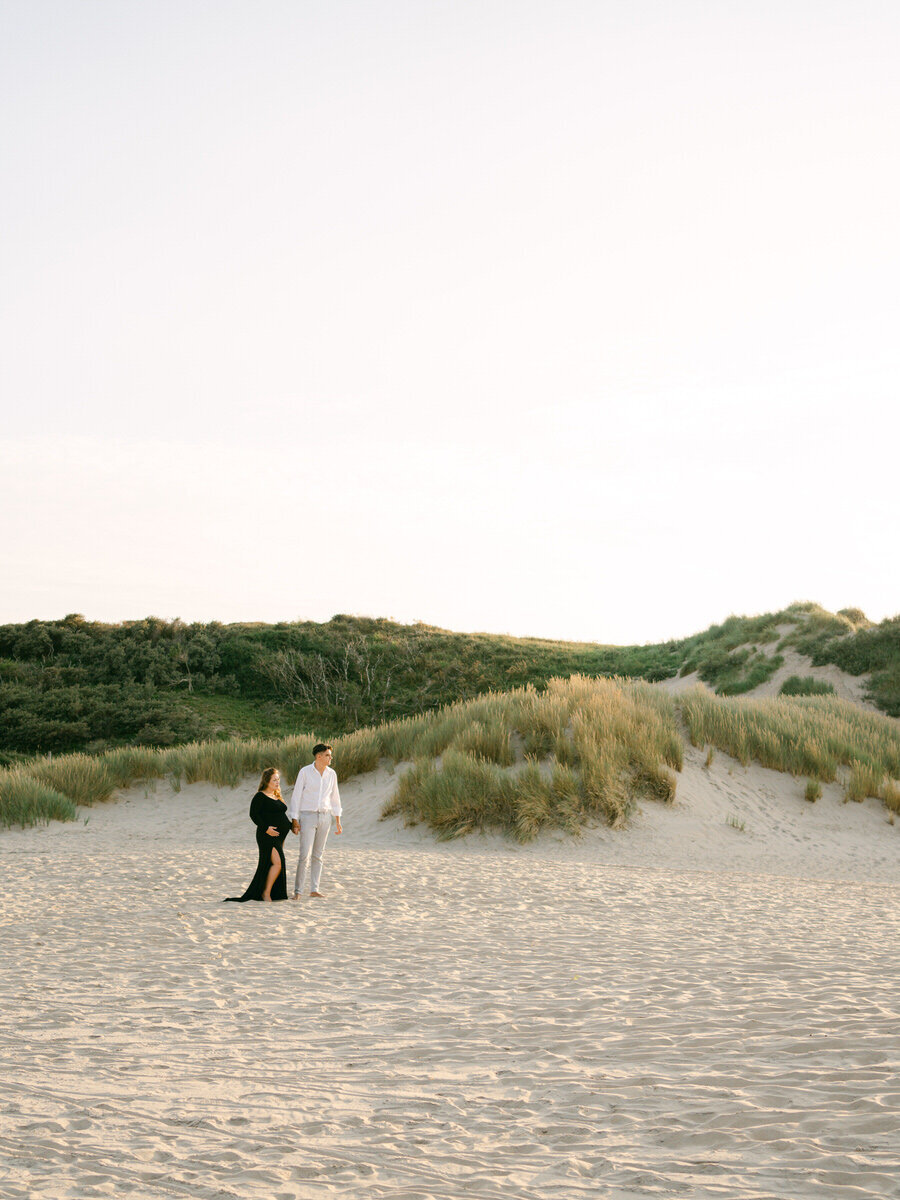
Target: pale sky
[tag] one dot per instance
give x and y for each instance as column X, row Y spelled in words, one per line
column 574, row 320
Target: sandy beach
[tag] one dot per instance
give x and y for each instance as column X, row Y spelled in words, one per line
column 680, row 1008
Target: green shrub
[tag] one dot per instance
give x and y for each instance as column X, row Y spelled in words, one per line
column 884, row 689
column 806, row 685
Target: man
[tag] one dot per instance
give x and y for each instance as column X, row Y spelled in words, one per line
column 314, row 800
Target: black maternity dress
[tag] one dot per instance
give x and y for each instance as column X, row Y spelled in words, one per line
column 265, row 811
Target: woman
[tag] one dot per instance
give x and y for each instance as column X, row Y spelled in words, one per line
column 269, row 814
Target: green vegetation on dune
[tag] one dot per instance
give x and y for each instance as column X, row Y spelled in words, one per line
column 25, row 800
column 729, row 657
column 78, row 685
column 857, row 647
column 239, row 716
column 819, row 628
column 75, row 685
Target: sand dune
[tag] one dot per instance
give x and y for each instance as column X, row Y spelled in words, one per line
column 676, row 1009
column 845, row 685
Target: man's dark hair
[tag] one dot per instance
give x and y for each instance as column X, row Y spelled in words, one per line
column 320, row 748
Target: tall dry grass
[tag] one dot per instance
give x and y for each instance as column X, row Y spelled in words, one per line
column 25, row 800
column 588, row 748
column 803, row 735
column 82, row 778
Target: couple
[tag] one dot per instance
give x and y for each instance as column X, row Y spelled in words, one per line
column 314, row 800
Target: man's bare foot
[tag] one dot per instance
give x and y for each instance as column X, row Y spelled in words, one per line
column 316, row 896
column 296, row 896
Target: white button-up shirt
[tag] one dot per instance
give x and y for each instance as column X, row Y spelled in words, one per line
column 315, row 793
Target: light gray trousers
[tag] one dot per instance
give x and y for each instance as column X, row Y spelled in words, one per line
column 314, row 830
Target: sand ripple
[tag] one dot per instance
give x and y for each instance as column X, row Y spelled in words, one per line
column 448, row 1025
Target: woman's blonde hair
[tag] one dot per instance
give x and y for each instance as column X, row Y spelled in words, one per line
column 264, row 782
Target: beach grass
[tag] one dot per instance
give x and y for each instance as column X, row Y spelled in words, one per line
column 82, row 778
column 589, row 747
column 823, row 737
column 578, row 750
column 26, row 800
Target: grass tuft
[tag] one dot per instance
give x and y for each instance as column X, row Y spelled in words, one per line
column 806, row 685
column 80, row 777
column 25, row 800
column 592, row 746
column 891, row 797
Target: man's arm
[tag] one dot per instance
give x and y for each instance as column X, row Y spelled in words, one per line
column 336, row 805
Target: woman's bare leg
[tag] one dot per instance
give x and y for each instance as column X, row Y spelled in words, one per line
column 274, row 872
